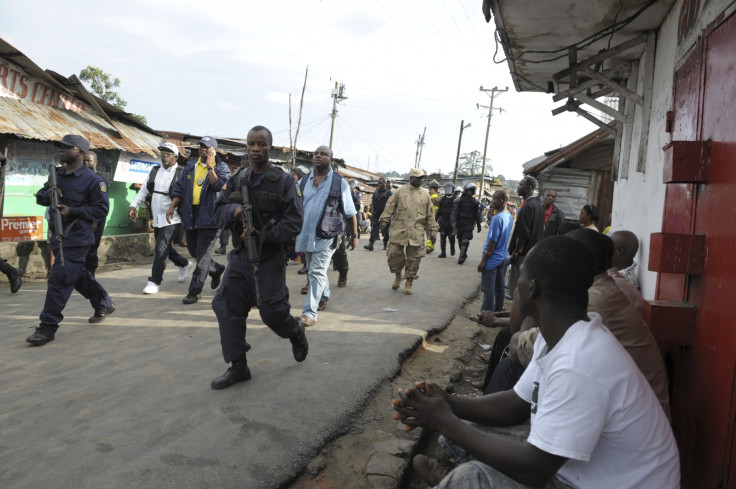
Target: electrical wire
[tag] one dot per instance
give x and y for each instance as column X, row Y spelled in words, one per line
column 584, row 43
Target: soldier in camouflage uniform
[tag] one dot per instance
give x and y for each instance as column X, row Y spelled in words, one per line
column 413, row 217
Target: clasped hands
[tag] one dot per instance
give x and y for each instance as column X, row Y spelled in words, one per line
column 424, row 405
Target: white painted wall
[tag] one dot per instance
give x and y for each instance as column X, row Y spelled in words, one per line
column 638, row 197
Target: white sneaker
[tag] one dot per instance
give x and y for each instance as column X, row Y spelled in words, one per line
column 184, row 271
column 151, row 288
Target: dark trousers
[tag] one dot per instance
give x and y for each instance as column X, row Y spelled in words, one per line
column 446, row 232
column 92, row 261
column 224, row 237
column 464, row 236
column 63, row 279
column 165, row 250
column 235, row 298
column 375, row 228
column 505, row 376
column 200, row 243
column 503, row 338
column 340, row 258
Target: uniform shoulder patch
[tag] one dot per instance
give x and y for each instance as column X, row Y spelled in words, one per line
column 103, row 187
column 298, row 190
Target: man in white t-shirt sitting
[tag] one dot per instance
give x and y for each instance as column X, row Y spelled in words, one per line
column 595, row 421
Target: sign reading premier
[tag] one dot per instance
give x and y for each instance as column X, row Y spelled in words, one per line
column 26, row 228
column 17, row 84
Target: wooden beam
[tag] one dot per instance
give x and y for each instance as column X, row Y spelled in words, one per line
column 629, row 111
column 646, row 108
column 575, row 89
column 565, row 108
column 621, row 90
column 601, row 106
column 595, row 121
column 602, row 56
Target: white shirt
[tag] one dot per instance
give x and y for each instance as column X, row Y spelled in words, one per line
column 591, row 404
column 159, row 202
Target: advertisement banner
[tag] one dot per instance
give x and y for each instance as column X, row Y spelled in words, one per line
column 134, row 168
column 22, row 228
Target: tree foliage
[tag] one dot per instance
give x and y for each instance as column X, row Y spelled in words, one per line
column 471, row 164
column 106, row 87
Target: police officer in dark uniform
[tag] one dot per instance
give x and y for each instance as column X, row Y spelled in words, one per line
column 466, row 214
column 277, row 213
column 444, row 212
column 378, row 204
column 83, row 201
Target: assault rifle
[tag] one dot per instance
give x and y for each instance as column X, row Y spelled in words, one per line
column 251, row 240
column 55, row 212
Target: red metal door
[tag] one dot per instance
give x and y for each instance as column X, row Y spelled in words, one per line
column 707, row 381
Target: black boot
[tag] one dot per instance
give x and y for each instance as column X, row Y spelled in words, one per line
column 452, row 248
column 369, row 246
column 14, row 275
column 299, row 345
column 239, row 372
column 443, row 246
column 303, row 270
column 463, row 255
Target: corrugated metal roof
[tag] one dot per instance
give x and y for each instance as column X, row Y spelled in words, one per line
column 536, row 165
column 35, row 121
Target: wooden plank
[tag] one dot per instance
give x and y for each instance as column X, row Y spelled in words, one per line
column 565, row 108
column 621, row 90
column 575, row 89
column 596, row 121
column 646, row 109
column 629, row 111
column 602, row 56
column 617, row 142
column 600, row 106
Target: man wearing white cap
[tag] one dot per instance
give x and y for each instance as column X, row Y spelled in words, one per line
column 413, row 217
column 158, row 190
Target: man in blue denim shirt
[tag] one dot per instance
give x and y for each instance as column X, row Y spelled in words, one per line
column 318, row 251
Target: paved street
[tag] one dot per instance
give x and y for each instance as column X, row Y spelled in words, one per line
column 127, row 402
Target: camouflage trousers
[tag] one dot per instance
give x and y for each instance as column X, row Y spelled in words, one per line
column 405, row 258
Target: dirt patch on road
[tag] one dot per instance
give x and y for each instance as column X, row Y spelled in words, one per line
column 377, row 452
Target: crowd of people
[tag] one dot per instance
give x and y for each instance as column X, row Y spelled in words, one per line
column 575, row 394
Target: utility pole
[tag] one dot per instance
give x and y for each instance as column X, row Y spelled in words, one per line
column 420, row 144
column 337, row 96
column 463, row 126
column 493, row 91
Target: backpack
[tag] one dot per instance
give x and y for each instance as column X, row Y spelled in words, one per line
column 332, row 222
column 152, row 181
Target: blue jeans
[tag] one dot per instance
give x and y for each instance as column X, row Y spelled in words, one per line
column 165, row 250
column 319, row 285
column 471, row 474
column 492, row 284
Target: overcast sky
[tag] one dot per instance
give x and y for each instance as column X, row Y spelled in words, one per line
column 221, row 67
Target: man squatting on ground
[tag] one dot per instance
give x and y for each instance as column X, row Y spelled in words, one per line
column 318, row 251
column 595, row 421
column 411, row 214
column 277, row 211
column 196, row 190
column 83, row 201
column 164, row 231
